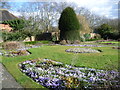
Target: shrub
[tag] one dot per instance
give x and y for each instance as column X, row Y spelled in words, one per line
column 87, row 36
column 54, row 38
column 106, row 32
column 31, row 42
column 92, row 39
column 38, row 42
column 46, row 42
column 82, row 38
column 43, row 36
column 114, row 36
column 12, row 45
column 13, row 36
column 16, row 24
column 69, row 25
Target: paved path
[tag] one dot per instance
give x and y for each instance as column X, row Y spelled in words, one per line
column 7, row 82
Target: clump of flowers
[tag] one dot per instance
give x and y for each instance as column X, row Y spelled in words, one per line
column 56, row 75
column 85, row 45
column 15, row 53
column 115, row 47
column 82, row 50
column 71, row 82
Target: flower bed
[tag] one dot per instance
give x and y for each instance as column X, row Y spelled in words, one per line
column 15, row 53
column 115, row 47
column 56, row 75
column 85, row 45
column 82, row 50
column 18, row 52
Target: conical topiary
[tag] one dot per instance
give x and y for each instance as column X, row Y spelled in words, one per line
column 69, row 25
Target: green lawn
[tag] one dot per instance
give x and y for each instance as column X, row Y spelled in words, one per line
column 36, row 42
column 114, row 42
column 108, row 59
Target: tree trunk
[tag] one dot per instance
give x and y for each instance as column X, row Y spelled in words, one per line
column 30, row 38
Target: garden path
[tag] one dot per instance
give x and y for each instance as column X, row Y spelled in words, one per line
column 7, row 81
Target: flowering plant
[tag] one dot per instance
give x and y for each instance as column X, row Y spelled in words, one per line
column 53, row 74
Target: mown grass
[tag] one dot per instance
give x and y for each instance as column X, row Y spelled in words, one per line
column 114, row 42
column 36, row 42
column 108, row 59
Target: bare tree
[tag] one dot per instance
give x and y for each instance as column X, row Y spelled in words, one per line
column 93, row 19
column 4, row 5
column 85, row 28
column 44, row 15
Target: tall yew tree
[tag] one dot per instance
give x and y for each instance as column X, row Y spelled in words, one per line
column 69, row 25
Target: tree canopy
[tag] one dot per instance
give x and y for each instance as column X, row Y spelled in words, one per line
column 107, row 32
column 16, row 24
column 69, row 25
column 68, row 20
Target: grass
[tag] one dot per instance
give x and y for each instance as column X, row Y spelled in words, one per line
column 114, row 42
column 104, row 60
column 92, row 39
column 35, row 42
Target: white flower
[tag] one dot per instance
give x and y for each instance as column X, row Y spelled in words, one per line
column 70, row 74
column 30, row 68
column 24, row 62
column 67, row 75
column 92, row 79
column 40, row 69
column 31, row 63
column 28, row 61
column 80, row 76
column 24, row 70
column 62, row 68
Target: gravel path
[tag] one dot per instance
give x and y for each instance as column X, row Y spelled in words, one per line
column 7, row 82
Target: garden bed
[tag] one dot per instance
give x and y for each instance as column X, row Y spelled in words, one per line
column 85, row 45
column 109, row 42
column 82, row 50
column 52, row 74
column 14, row 53
column 115, row 47
column 17, row 52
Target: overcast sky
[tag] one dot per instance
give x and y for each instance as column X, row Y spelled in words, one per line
column 108, row 8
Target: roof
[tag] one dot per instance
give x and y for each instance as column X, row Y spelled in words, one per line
column 6, row 15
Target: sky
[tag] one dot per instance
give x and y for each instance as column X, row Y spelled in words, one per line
column 107, row 8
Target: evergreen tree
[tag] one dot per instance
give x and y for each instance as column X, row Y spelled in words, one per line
column 105, row 31
column 16, row 24
column 69, row 25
